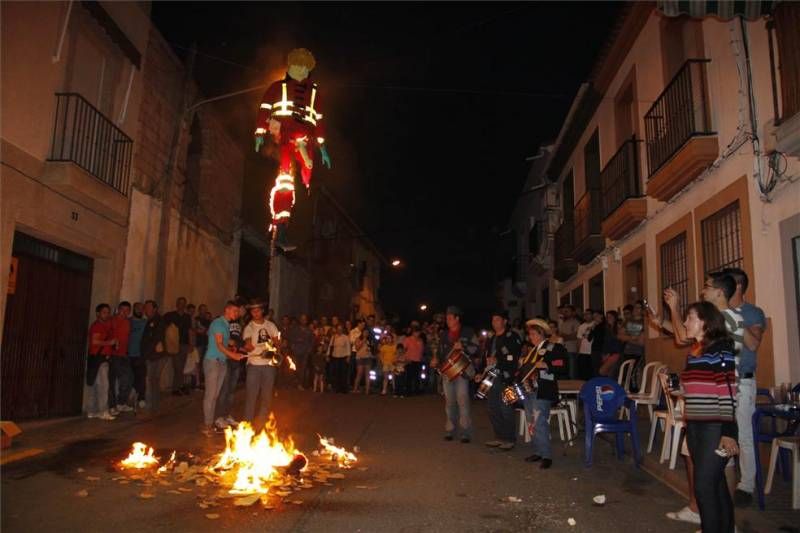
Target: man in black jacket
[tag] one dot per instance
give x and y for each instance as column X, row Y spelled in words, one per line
column 152, row 349
column 502, row 352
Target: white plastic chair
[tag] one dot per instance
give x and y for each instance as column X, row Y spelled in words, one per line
column 651, row 395
column 792, row 444
column 564, row 426
column 625, row 374
column 671, row 420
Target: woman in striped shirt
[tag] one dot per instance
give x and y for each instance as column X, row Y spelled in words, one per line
column 709, row 384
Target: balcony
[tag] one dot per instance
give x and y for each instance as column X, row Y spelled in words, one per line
column 624, row 207
column 564, row 266
column 589, row 240
column 680, row 141
column 90, row 158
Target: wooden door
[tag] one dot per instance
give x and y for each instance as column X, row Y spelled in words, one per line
column 44, row 337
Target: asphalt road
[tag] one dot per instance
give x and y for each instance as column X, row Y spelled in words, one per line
column 415, row 481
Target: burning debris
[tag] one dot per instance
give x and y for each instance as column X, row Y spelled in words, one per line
column 253, row 467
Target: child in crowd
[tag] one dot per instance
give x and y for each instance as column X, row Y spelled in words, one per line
column 399, row 371
column 363, row 361
column 387, row 351
column 318, row 362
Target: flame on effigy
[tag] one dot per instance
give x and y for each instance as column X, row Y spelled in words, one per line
column 141, row 456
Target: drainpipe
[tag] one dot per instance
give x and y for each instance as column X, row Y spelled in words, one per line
column 754, row 140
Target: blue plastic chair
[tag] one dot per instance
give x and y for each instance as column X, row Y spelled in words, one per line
column 602, row 399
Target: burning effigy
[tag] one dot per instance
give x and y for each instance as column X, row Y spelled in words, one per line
column 253, row 466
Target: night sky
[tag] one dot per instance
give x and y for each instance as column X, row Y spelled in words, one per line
column 431, row 110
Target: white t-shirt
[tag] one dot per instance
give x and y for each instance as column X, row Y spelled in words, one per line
column 257, row 333
column 583, row 332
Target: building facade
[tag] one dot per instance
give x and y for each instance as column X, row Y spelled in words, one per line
column 90, row 99
column 680, row 157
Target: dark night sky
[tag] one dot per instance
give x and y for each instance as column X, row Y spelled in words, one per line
column 431, row 110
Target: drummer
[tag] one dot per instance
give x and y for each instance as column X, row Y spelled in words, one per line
column 456, row 392
column 544, row 386
column 503, row 349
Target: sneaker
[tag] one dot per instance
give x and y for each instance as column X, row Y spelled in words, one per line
column 533, row 458
column 142, row 404
column 546, row 463
column 124, row 408
column 493, row 443
column 92, row 415
column 221, row 423
column 685, row 515
column 106, row 416
column 231, row 421
column 113, row 411
column 506, row 446
column 742, row 498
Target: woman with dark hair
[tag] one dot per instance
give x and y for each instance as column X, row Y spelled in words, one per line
column 611, row 346
column 709, row 384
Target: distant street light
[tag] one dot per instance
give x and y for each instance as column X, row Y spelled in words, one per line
column 423, row 307
column 395, row 263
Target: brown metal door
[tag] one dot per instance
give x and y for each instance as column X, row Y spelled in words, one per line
column 44, row 337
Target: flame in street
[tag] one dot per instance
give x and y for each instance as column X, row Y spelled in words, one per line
column 292, row 366
column 169, row 464
column 140, row 457
column 340, row 454
column 251, row 462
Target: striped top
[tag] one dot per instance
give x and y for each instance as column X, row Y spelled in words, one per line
column 709, row 382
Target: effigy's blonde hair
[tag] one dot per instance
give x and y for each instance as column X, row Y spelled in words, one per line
column 302, row 57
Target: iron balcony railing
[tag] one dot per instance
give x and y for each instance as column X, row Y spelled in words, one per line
column 680, row 113
column 620, row 177
column 587, row 216
column 564, row 242
column 84, row 136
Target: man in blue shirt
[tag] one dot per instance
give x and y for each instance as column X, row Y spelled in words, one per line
column 215, row 362
column 754, row 324
column 138, row 363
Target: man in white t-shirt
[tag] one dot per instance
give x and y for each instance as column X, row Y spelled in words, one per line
column 260, row 372
column 585, row 346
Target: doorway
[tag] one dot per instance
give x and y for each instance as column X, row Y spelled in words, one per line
column 45, row 329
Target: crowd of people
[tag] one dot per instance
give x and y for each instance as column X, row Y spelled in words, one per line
column 130, row 348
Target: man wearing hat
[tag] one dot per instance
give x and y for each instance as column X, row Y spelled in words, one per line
column 258, row 334
column 456, row 392
column 502, row 352
column 538, row 367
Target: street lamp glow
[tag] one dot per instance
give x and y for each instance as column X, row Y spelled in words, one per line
column 396, row 263
column 423, row 307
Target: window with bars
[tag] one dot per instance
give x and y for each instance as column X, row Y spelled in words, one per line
column 722, row 239
column 675, row 270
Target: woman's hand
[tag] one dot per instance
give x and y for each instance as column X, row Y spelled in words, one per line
column 729, row 445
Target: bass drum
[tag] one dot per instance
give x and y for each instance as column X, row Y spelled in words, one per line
column 455, row 365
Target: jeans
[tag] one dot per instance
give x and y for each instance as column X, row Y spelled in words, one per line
column 538, row 413
column 259, row 379
column 457, row 404
column 98, row 393
column 215, row 372
column 710, row 489
column 225, row 395
column 139, row 371
column 412, row 377
column 745, row 406
column 339, row 373
column 155, row 367
column 301, row 374
column 178, row 362
column 119, row 376
column 501, row 415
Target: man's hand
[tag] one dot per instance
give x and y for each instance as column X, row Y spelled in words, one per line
column 458, row 346
column 729, row 445
column 248, row 347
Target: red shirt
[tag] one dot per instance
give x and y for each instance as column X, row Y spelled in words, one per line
column 105, row 331
column 122, row 332
column 414, row 349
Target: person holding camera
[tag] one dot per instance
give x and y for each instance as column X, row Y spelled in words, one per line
column 709, row 385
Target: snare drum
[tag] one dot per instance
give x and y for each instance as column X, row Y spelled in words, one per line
column 487, row 382
column 513, row 394
column 455, row 365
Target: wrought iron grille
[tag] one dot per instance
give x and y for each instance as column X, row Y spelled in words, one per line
column 620, row 177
